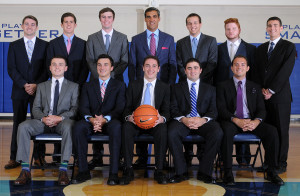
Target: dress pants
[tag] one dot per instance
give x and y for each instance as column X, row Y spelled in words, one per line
column 82, row 129
column 212, row 134
column 267, row 134
column 34, row 127
column 130, row 130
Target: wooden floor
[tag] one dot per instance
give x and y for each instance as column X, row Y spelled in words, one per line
column 248, row 182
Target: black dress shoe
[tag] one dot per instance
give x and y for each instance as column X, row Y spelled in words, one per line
column 205, row 178
column 228, row 178
column 113, row 179
column 140, row 163
column 160, row 177
column 179, row 178
column 128, row 176
column 95, row 163
column 82, row 177
column 281, row 169
column 274, row 178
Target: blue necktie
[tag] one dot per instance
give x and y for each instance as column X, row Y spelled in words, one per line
column 56, row 95
column 193, row 100
column 147, row 97
column 271, row 50
column 194, row 46
column 29, row 49
column 107, row 42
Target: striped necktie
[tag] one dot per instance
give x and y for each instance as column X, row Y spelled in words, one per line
column 193, row 100
column 103, row 90
column 29, row 49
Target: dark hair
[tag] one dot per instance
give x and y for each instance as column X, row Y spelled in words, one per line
column 190, row 60
column 239, row 56
column 32, row 18
column 106, row 56
column 107, row 9
column 192, row 15
column 152, row 9
column 151, row 57
column 68, row 14
column 59, row 57
column 275, row 18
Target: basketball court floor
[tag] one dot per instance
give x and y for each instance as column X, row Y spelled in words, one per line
column 247, row 182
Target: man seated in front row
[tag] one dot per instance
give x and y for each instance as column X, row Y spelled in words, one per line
column 241, row 109
column 54, row 107
column 102, row 102
column 193, row 109
column 151, row 91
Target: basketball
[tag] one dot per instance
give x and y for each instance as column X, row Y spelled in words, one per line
column 145, row 116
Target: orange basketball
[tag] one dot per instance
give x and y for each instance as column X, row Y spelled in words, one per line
column 145, row 116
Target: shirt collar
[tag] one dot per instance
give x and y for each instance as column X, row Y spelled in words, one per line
column 275, row 41
column 190, row 82
column 33, row 40
column 197, row 37
column 66, row 37
column 110, row 33
column 236, row 43
column 236, row 81
column 60, row 80
column 146, row 81
column 155, row 33
column 106, row 81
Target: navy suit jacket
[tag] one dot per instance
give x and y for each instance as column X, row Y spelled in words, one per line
column 77, row 66
column 222, row 72
column 113, row 103
column 21, row 71
column 165, row 53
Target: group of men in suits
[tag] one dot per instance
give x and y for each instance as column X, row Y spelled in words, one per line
column 152, row 63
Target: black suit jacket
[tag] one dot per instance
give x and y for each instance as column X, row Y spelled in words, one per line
column 181, row 101
column 274, row 73
column 134, row 97
column 222, row 72
column 207, row 54
column 21, row 71
column 114, row 100
column 77, row 66
column 226, row 100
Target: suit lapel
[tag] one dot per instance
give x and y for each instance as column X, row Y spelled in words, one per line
column 73, row 45
column 145, row 43
column 249, row 95
column 276, row 50
column 63, row 90
column 157, row 92
column 232, row 91
column 200, row 43
column 113, row 42
column 100, row 39
column 161, row 41
column 35, row 50
column 48, row 92
column 139, row 90
column 62, row 45
column 186, row 92
column 23, row 48
column 96, row 86
column 224, row 49
column 109, row 88
column 188, row 46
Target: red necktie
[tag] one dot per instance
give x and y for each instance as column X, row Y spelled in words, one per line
column 152, row 45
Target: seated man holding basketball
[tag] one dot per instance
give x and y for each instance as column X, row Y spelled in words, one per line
column 149, row 91
column 102, row 102
column 193, row 109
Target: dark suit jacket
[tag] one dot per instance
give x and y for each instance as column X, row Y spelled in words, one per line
column 114, row 100
column 274, row 73
column 118, row 50
column 181, row 101
column 77, row 66
column 222, row 72
column 134, row 95
column 207, row 54
column 226, row 100
column 19, row 68
column 165, row 53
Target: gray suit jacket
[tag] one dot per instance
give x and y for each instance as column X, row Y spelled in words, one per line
column 118, row 50
column 67, row 103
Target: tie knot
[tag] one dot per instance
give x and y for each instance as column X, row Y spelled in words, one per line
column 272, row 44
column 152, row 34
column 103, row 83
column 194, row 39
column 149, row 84
column 194, row 83
column 69, row 40
column 240, row 83
column 57, row 82
column 107, row 36
column 232, row 44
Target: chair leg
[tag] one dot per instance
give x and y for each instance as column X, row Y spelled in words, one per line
column 34, row 144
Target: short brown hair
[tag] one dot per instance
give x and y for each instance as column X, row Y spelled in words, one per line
column 68, row 14
column 107, row 9
column 32, row 18
column 232, row 20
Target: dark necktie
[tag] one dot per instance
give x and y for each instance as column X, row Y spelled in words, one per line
column 239, row 101
column 193, row 101
column 152, row 45
column 271, row 50
column 56, row 96
column 107, row 42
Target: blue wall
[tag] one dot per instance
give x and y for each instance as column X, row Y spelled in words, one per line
column 6, row 82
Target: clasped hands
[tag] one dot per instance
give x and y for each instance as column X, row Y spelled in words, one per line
column 52, row 120
column 266, row 93
column 158, row 121
column 98, row 122
column 246, row 124
column 193, row 122
column 30, row 88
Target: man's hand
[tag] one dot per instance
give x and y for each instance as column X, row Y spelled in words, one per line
column 30, row 88
column 130, row 118
column 98, row 122
column 241, row 123
column 193, row 122
column 266, row 93
column 52, row 120
column 159, row 120
column 250, row 126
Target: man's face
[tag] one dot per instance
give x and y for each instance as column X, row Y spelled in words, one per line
column 239, row 68
column 193, row 25
column 104, row 68
column 68, row 25
column 193, row 71
column 150, row 69
column 232, row 31
column 274, row 29
column 107, row 20
column 152, row 19
column 29, row 27
column 58, row 67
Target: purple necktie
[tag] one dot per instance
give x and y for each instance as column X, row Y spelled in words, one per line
column 239, row 101
column 152, row 45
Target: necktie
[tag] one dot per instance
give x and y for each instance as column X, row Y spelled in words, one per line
column 69, row 45
column 107, row 42
column 232, row 51
column 270, row 50
column 152, row 45
column 103, row 90
column 239, row 101
column 193, row 100
column 29, row 49
column 194, row 46
column 147, row 96
column 56, row 96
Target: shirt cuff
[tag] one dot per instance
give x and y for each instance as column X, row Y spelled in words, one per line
column 272, row 92
column 179, row 118
column 86, row 117
column 108, row 118
column 207, row 118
